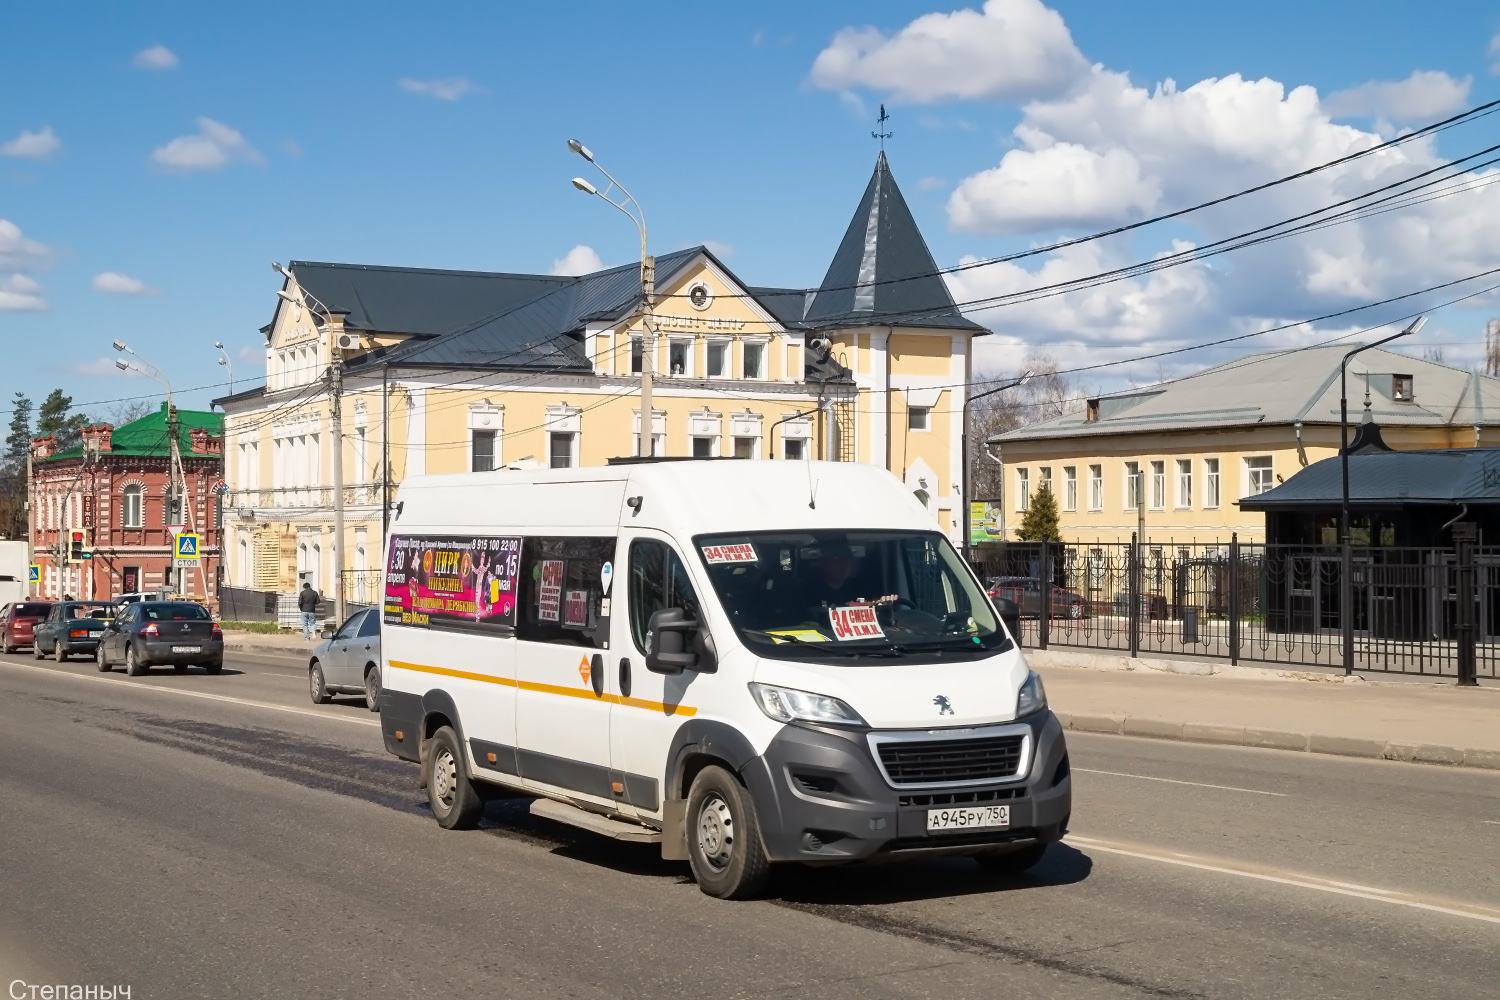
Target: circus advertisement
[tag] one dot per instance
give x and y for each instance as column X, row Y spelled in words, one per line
column 442, row 580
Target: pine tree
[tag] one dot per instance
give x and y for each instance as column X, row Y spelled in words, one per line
column 52, row 418
column 1040, row 523
column 19, row 438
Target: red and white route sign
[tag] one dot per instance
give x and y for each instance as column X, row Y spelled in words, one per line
column 742, row 552
column 857, row 622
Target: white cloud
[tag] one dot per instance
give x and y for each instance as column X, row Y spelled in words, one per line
column 931, row 184
column 157, row 57
column 101, row 366
column 1494, row 53
column 18, row 293
column 579, row 260
column 1421, row 97
column 17, row 253
column 1013, row 49
column 33, row 145
column 448, row 88
column 248, row 355
column 720, row 250
column 115, row 283
column 212, row 147
column 1061, row 184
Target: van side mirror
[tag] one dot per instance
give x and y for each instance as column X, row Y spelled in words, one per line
column 675, row 642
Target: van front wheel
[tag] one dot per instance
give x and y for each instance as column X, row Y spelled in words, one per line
column 724, row 845
column 456, row 805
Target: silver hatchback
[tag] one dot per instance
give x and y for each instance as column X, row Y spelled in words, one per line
column 347, row 661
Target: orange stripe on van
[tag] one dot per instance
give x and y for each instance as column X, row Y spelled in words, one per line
column 586, row 693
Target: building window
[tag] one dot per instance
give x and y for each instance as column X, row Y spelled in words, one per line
column 1133, row 485
column 482, row 446
column 755, row 360
column 744, row 447
column 1158, row 485
column 1023, row 489
column 1402, row 390
column 1184, row 482
column 1258, row 474
column 918, row 418
column 1210, row 482
column 718, row 358
column 680, row 357
column 131, row 513
column 637, row 355
column 1044, row 479
column 560, row 449
column 703, row 447
column 1070, row 487
column 1096, row 487
column 793, row 449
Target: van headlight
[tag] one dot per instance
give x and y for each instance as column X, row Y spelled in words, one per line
column 1033, row 697
column 791, row 705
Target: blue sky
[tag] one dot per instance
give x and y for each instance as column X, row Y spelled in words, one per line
column 260, row 133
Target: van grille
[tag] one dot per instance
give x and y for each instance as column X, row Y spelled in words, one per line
column 938, row 761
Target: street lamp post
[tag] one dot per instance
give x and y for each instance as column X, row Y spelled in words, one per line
column 177, row 510
column 1346, row 574
column 964, row 447
column 646, row 446
column 224, row 362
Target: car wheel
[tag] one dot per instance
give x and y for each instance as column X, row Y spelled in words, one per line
column 214, row 668
column 8, row 648
column 133, row 665
column 315, row 685
column 36, row 651
column 372, row 687
column 100, row 660
column 724, row 846
column 1013, row 863
column 456, row 805
column 59, row 653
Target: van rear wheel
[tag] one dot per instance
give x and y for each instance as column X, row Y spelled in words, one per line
column 456, row 804
column 724, row 846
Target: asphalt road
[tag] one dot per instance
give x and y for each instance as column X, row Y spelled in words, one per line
column 197, row 836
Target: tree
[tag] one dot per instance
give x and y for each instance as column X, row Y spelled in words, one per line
column 1039, row 524
column 53, row 418
column 19, row 438
column 13, row 484
column 1048, row 395
column 129, row 411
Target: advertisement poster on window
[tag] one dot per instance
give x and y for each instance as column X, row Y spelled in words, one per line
column 549, row 593
column 433, row 580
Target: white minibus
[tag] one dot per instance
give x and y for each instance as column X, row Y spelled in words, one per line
column 748, row 663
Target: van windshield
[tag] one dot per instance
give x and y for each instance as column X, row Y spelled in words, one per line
column 849, row 593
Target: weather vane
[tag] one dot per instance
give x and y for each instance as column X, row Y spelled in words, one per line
column 882, row 136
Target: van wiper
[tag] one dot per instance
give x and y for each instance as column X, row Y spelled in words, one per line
column 778, row 637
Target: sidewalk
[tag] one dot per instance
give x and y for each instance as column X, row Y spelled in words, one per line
column 287, row 643
column 1399, row 719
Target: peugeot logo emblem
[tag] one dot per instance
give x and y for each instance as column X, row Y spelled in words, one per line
column 941, row 701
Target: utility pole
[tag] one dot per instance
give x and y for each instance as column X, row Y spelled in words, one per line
column 176, row 514
column 646, row 447
column 336, row 418
column 30, row 522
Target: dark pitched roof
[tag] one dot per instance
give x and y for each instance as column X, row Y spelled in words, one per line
column 1388, row 478
column 147, row 437
column 544, row 332
column 883, row 272
column 415, row 300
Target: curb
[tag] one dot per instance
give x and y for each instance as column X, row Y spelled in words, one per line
column 1274, row 739
column 265, row 648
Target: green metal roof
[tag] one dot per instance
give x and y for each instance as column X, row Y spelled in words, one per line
column 147, row 437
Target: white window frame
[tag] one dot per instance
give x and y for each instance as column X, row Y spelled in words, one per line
column 1184, row 483
column 1070, row 487
column 482, row 417
column 725, row 345
column 658, row 432
column 686, row 343
column 1096, row 487
column 1023, row 489
column 919, row 419
column 138, row 492
column 637, row 341
column 765, row 358
column 1158, row 484
column 1267, row 483
column 1212, row 487
column 745, row 425
column 565, row 419
column 1132, row 480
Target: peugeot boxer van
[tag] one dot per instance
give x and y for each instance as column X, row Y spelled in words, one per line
column 748, row 663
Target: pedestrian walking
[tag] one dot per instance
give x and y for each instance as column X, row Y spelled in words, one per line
column 307, row 603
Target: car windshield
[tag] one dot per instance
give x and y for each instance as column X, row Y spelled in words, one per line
column 174, row 612
column 35, row 609
column 849, row 593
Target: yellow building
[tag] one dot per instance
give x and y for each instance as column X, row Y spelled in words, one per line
column 450, row 371
column 1194, row 446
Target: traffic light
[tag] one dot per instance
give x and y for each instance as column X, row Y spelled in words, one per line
column 75, row 546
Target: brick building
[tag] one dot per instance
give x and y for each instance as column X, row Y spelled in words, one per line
column 112, row 486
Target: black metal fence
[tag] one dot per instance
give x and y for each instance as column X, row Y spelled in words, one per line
column 1264, row 603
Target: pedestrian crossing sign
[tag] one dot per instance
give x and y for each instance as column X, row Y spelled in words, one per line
column 187, row 547
column 34, row 573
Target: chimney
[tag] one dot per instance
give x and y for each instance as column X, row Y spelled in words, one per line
column 204, row 443
column 44, row 447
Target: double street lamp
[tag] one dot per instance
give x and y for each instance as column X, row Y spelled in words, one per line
column 626, row 203
column 224, row 363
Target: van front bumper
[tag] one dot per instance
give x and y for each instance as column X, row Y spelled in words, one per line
column 821, row 799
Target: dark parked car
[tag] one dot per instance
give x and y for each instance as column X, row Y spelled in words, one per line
column 1026, row 591
column 20, row 619
column 148, row 633
column 71, row 627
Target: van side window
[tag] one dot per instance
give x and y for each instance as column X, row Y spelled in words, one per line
column 560, row 591
column 657, row 580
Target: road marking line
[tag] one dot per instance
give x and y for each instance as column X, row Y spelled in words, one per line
column 1174, row 781
column 1454, row 909
column 1491, row 822
column 198, row 694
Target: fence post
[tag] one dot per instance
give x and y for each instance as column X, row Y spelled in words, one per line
column 1044, row 624
column 1465, row 536
column 1234, row 598
column 1133, row 591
